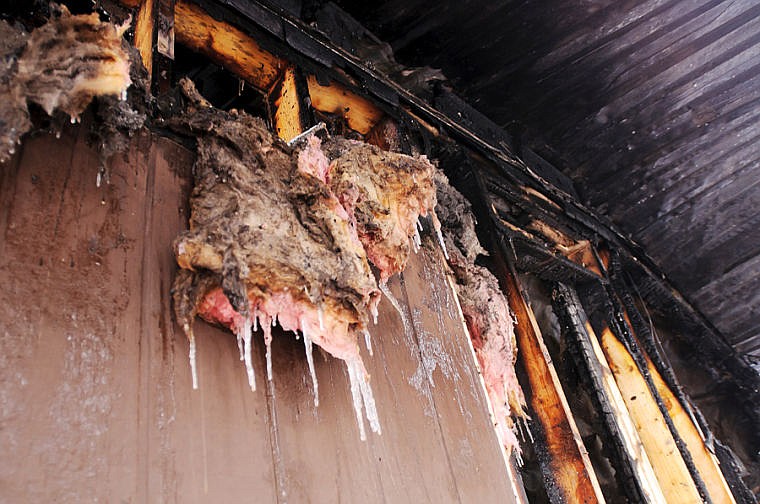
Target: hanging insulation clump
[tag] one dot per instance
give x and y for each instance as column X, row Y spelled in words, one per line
column 486, row 311
column 61, row 65
column 283, row 235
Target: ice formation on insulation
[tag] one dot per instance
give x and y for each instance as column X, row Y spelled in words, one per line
column 368, row 341
column 246, row 336
column 285, row 235
column 486, row 312
column 61, row 65
column 310, row 359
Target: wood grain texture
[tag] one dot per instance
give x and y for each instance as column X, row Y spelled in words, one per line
column 225, row 45
column 670, row 469
column 360, row 114
column 706, row 462
column 97, row 399
column 145, row 24
column 287, row 114
column 569, row 468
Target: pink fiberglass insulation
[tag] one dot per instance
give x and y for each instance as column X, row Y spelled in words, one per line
column 384, row 193
column 486, row 312
column 283, row 235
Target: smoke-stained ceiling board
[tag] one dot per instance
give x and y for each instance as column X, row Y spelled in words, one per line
column 651, row 107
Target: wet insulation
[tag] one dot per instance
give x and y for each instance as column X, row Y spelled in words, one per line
column 62, row 66
column 285, row 235
column 486, row 311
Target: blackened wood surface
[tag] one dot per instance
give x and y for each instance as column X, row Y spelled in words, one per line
column 96, row 400
column 651, row 106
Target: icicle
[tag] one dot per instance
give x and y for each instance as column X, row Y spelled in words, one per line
column 356, row 396
column 518, row 458
column 99, row 178
column 367, row 396
column 246, row 336
column 368, row 341
column 527, row 427
column 321, row 317
column 123, row 95
column 310, row 360
column 418, row 223
column 361, row 393
column 417, row 240
column 267, row 327
column 374, row 313
column 384, row 289
column 193, row 365
column 443, row 245
column 240, row 345
column 437, row 227
column 255, row 320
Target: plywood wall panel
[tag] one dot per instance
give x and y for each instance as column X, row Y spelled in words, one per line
column 96, row 400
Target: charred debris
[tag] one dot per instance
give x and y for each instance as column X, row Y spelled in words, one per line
column 593, row 317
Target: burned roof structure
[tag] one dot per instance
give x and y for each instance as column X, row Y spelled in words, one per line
column 595, row 167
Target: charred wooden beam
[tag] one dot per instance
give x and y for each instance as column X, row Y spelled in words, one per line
column 671, row 469
column 333, row 98
column 705, row 461
column 687, row 420
column 288, row 114
column 226, row 45
column 566, row 465
column 633, row 466
column 145, row 24
column 627, row 338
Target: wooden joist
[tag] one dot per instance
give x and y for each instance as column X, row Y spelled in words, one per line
column 568, row 466
column 704, row 460
column 360, row 114
column 672, row 473
column 226, row 46
column 144, row 28
column 288, row 117
column 578, row 332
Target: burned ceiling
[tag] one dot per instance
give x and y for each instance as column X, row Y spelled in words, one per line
column 297, row 64
column 651, row 108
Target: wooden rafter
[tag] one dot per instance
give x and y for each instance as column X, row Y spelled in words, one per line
column 226, row 45
column 704, row 460
column 334, row 98
column 671, row 470
column 568, row 464
column 578, row 332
